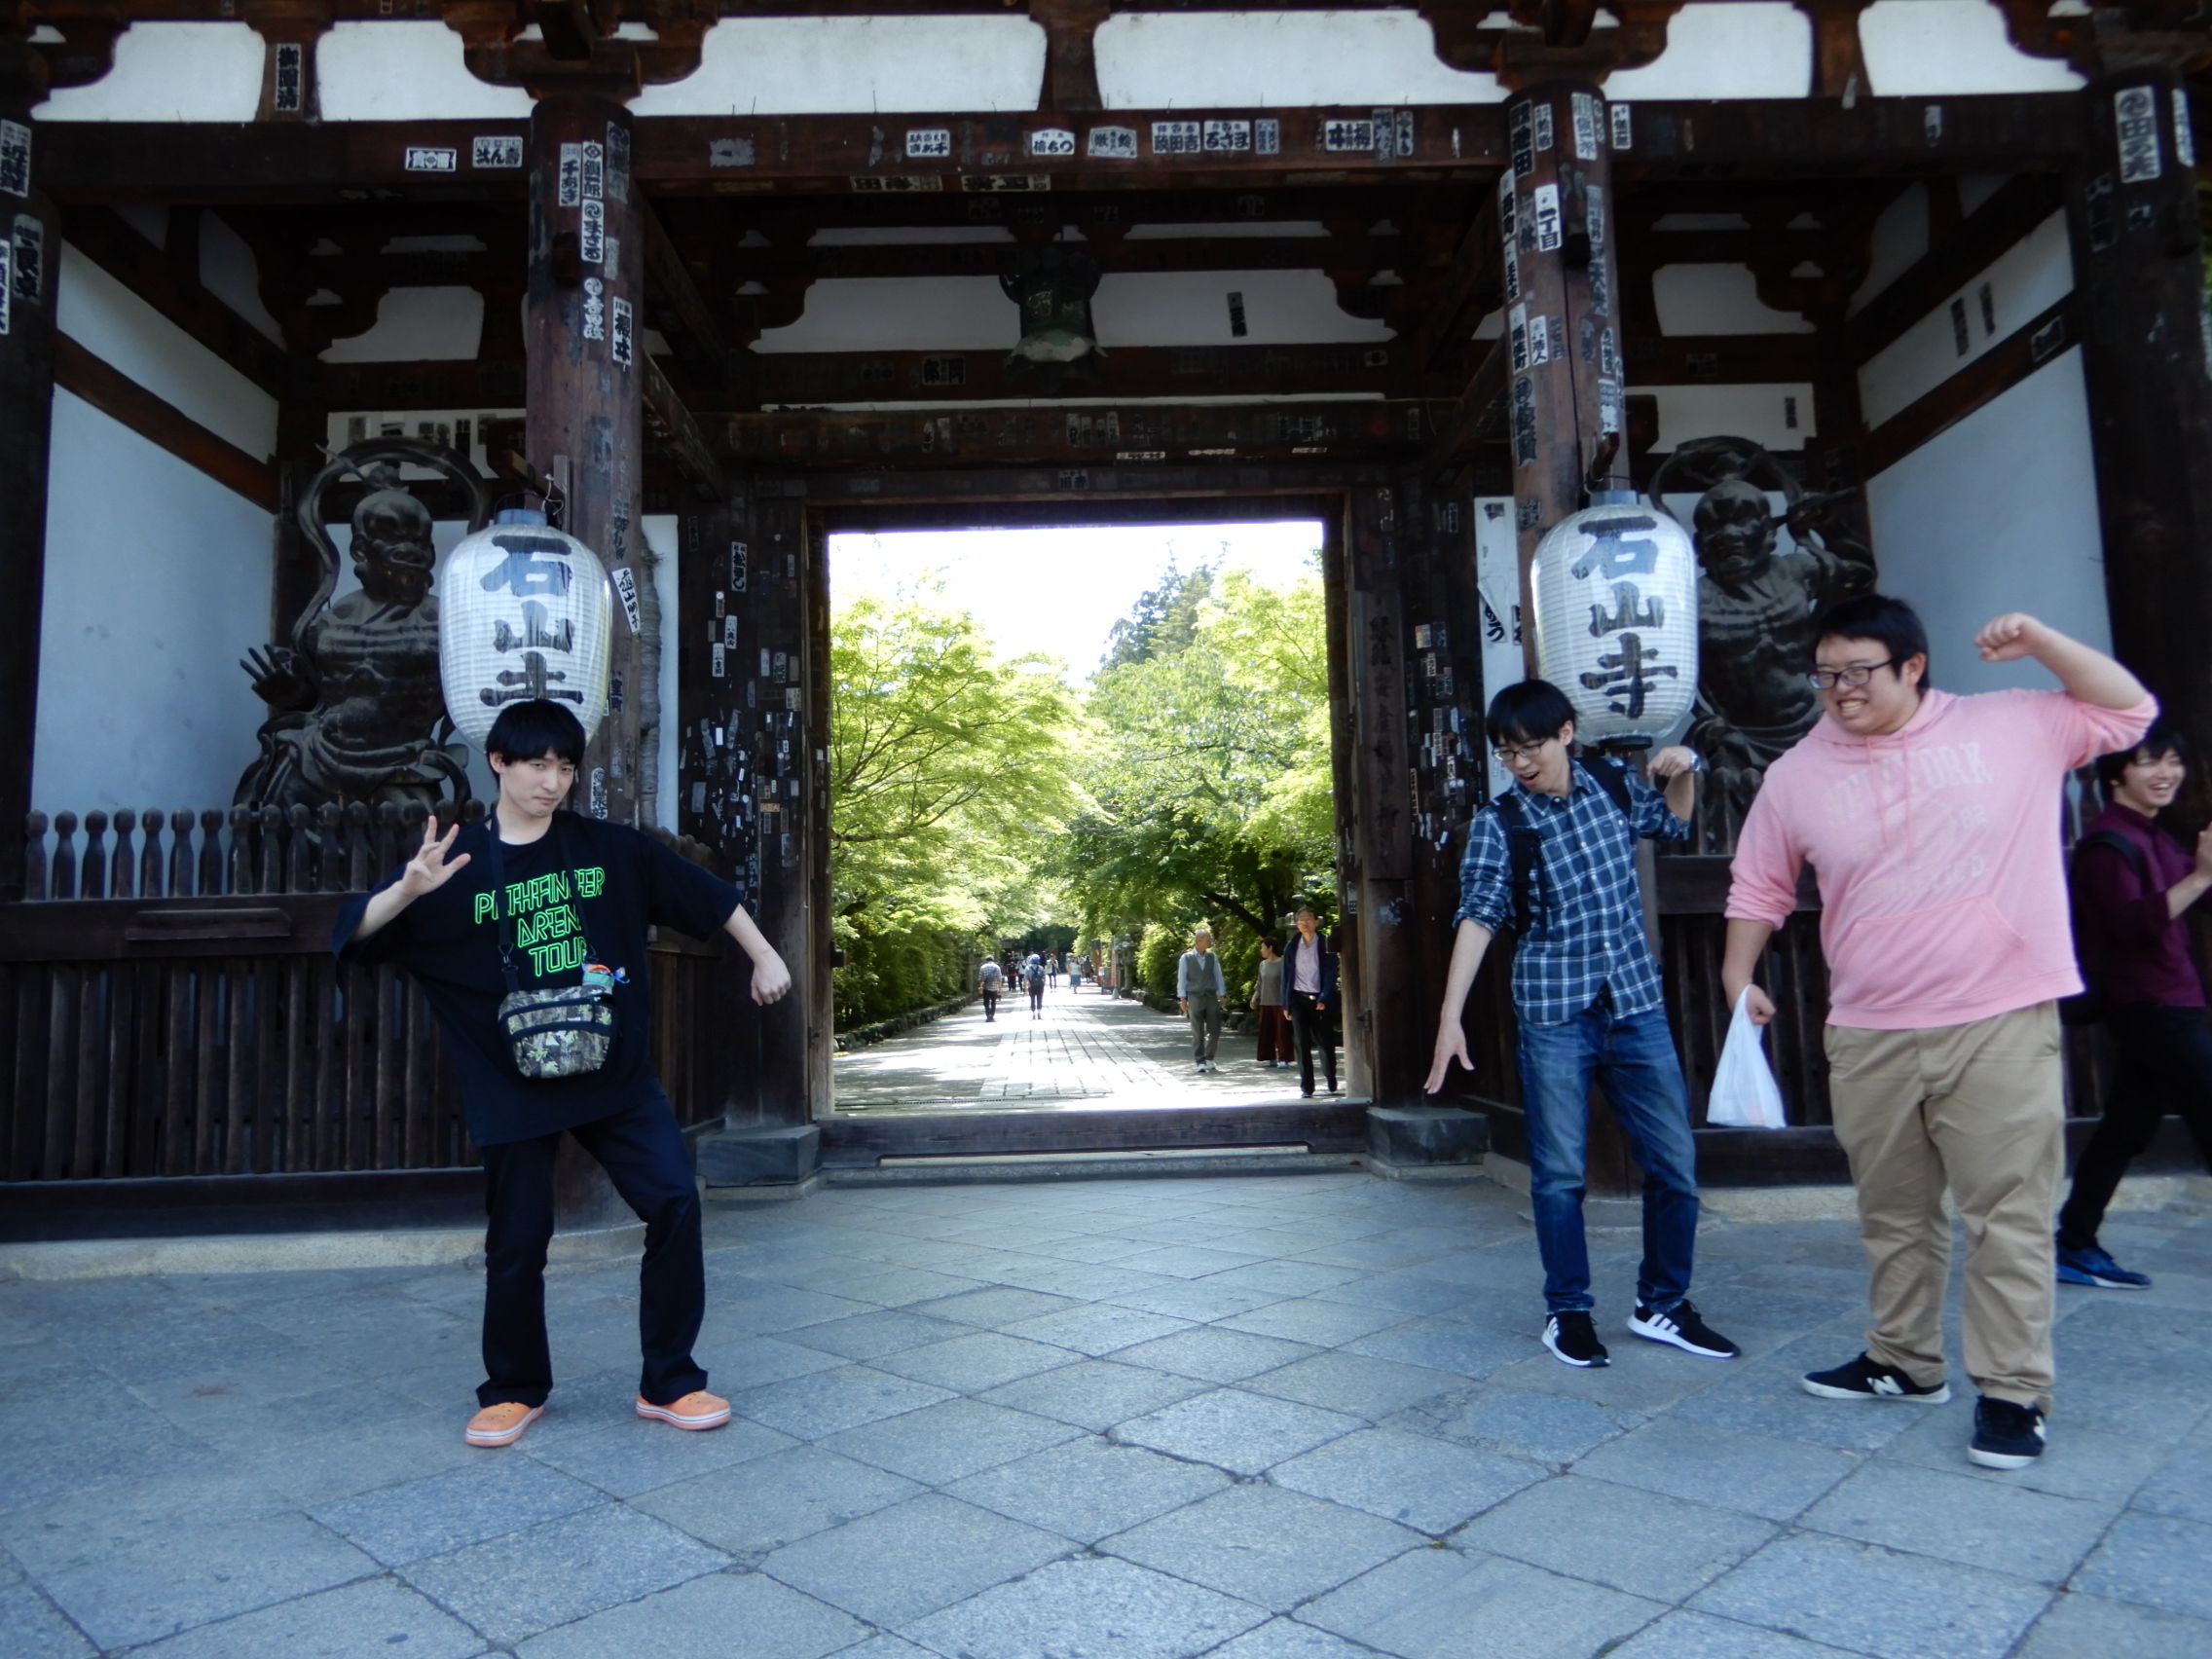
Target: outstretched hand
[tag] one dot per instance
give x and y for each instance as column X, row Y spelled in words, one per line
column 430, row 868
column 770, row 979
column 2008, row 638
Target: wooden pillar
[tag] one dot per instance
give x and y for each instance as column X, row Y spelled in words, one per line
column 584, row 425
column 2146, row 344
column 31, row 234
column 1384, row 1026
column 793, row 1086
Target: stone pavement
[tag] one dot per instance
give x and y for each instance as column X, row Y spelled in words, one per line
column 1090, row 1051
column 1290, row 1417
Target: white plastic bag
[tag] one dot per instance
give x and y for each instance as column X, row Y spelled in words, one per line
column 1745, row 1094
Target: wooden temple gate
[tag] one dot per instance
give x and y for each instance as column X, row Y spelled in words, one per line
column 167, row 1011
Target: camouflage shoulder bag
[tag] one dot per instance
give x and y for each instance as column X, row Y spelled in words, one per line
column 560, row 1030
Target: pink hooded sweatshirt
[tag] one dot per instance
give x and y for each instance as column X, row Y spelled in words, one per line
column 1936, row 847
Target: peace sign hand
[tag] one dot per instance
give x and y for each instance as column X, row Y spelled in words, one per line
column 429, row 870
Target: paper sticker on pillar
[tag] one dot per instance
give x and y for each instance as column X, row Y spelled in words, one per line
column 591, row 177
column 1345, row 136
column 2135, row 124
column 1594, row 217
column 621, row 346
column 929, row 144
column 1544, row 215
column 1005, row 184
column 1589, row 135
column 740, row 565
column 618, row 162
column 287, row 84
column 426, row 157
column 594, row 309
column 496, row 150
column 571, row 175
column 28, row 245
column 591, row 243
column 1521, row 142
column 1624, row 127
column 1052, row 143
column 2185, row 139
column 599, row 792
column 715, row 661
column 1111, row 143
column 731, row 153
column 729, row 633
column 7, row 287
column 1525, row 421
column 15, row 157
column 908, row 184
column 1540, row 120
column 625, row 582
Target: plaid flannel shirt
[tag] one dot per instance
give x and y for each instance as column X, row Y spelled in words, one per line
column 1586, row 932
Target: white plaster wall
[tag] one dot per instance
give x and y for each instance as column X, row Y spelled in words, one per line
column 121, row 329
column 1920, row 47
column 1716, row 299
column 1755, row 49
column 388, row 69
column 1278, row 59
column 229, row 270
column 157, row 582
column 855, row 65
column 1960, row 551
column 417, row 325
column 2033, row 274
column 972, row 314
column 1900, row 237
column 171, row 72
column 1778, row 417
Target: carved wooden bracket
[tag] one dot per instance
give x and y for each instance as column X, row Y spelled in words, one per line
column 1839, row 58
column 1071, row 65
column 84, row 53
column 2114, row 36
column 290, row 30
column 578, row 51
column 1550, row 40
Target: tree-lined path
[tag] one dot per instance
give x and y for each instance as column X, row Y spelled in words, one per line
column 1089, row 1049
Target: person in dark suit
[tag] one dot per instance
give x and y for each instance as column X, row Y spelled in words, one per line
column 1309, row 987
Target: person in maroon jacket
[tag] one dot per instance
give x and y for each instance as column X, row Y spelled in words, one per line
column 2134, row 947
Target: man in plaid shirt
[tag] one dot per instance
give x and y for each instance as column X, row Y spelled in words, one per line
column 1586, row 994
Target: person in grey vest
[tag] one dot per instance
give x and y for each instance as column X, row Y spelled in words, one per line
column 1200, row 986
column 990, row 980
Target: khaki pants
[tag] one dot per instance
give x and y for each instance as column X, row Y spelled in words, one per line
column 1980, row 1108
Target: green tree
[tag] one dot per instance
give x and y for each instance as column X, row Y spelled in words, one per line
column 950, row 771
column 1209, row 777
column 1164, row 621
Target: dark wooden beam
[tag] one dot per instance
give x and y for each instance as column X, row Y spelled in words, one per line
column 2019, row 207
column 2012, row 360
column 670, row 428
column 1224, row 434
column 677, row 309
column 820, row 263
column 1724, row 359
column 1470, row 293
column 957, row 493
column 1479, row 417
column 988, row 155
column 1135, row 371
column 156, row 277
column 114, row 394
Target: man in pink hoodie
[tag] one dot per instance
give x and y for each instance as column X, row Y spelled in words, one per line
column 1932, row 823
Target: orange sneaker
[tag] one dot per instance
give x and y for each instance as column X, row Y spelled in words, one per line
column 501, row 1425
column 696, row 1410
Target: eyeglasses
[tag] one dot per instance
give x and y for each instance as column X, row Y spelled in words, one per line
column 1507, row 754
column 1828, row 678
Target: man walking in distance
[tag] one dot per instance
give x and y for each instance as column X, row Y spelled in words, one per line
column 1268, row 1004
column 2134, row 952
column 1310, row 971
column 1930, row 821
column 990, row 980
column 1200, row 986
column 526, row 890
column 1555, row 858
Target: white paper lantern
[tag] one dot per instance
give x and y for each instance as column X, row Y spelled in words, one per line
column 524, row 610
column 1616, row 617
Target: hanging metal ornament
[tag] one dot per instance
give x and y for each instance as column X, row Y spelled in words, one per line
column 1052, row 285
column 1615, row 588
column 528, row 612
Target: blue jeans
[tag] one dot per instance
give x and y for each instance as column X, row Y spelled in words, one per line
column 1634, row 1058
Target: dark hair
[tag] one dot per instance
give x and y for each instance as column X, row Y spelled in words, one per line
column 2160, row 740
column 1527, row 712
column 532, row 730
column 1890, row 622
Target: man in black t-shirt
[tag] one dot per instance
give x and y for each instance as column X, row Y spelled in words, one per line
column 559, row 900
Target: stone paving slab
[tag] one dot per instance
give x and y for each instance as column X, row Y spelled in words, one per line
column 1199, row 1418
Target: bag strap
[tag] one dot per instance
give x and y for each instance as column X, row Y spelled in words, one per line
column 2122, row 844
column 1524, row 848
column 1611, row 776
column 497, row 859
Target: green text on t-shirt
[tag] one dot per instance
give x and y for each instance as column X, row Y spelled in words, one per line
column 544, row 914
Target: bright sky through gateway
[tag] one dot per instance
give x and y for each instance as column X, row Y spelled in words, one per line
column 1061, row 591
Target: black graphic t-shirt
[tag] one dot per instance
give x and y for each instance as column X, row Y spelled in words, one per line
column 583, row 883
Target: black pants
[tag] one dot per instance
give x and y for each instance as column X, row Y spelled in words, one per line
column 2165, row 1065
column 990, row 1004
column 1036, row 999
column 1309, row 1025
column 642, row 1152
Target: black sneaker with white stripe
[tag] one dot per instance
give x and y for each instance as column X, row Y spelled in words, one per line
column 1573, row 1339
column 2005, row 1435
column 1681, row 1326
column 1867, row 1379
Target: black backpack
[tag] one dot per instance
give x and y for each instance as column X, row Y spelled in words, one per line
column 2091, row 1006
column 1525, row 843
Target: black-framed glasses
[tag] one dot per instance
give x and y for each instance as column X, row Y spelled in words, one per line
column 1509, row 753
column 1828, row 678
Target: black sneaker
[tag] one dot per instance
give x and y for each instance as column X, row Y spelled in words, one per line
column 2006, row 1436
column 1681, row 1326
column 1865, row 1379
column 1573, row 1339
